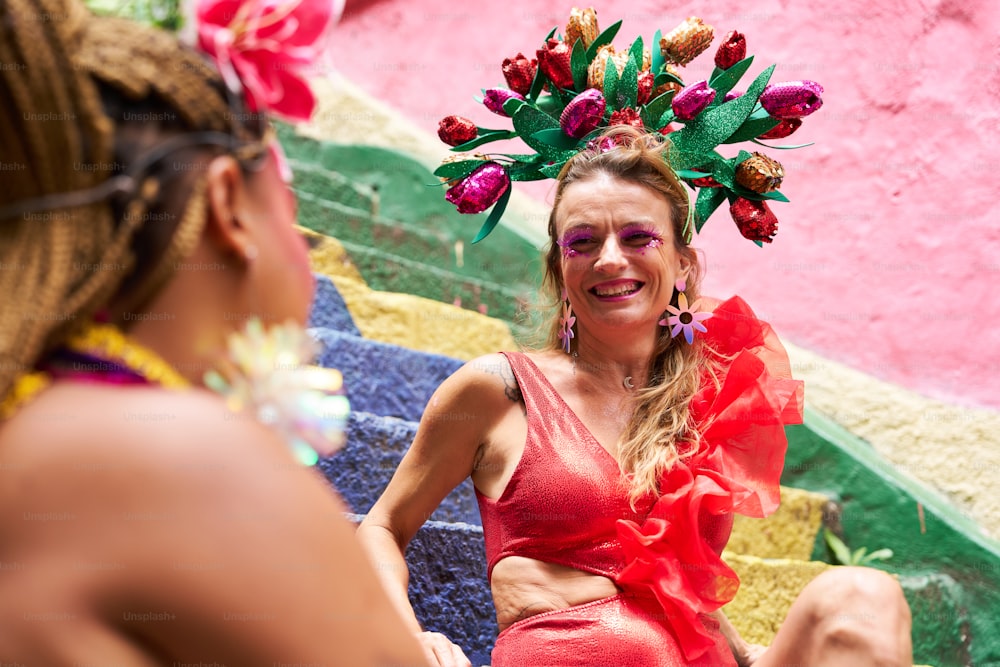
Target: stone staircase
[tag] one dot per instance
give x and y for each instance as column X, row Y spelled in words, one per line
column 385, row 312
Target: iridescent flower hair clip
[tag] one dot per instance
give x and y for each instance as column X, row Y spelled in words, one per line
column 267, row 375
column 579, row 85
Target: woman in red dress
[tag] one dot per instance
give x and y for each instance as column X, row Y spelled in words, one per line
column 609, row 464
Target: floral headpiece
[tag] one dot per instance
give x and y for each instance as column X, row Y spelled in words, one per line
column 260, row 46
column 579, row 85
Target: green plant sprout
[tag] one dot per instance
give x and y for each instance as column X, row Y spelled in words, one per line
column 844, row 556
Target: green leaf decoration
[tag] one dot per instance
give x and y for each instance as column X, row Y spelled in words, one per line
column 556, row 138
column 657, row 61
column 578, row 63
column 781, row 148
column 858, row 556
column 552, row 170
column 605, row 37
column 551, row 34
column 494, row 217
column 525, row 172
column 774, row 195
column 667, row 117
column 496, row 135
column 655, row 108
column 453, row 170
column 511, row 106
column 610, row 81
column 527, row 121
column 751, row 128
column 690, row 173
column 724, row 171
column 680, row 158
column 727, row 79
column 714, row 126
column 708, row 200
column 537, row 84
column 628, row 86
column 635, row 52
column 551, row 105
column 666, row 77
column 526, row 158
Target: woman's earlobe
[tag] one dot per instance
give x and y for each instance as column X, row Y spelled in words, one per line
column 223, row 195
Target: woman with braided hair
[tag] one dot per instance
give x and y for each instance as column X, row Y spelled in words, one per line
column 144, row 217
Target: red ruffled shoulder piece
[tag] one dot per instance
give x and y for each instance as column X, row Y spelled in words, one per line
column 741, row 412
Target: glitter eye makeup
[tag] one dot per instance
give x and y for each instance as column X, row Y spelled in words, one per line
column 640, row 237
column 575, row 243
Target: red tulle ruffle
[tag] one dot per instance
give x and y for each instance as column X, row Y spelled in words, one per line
column 741, row 416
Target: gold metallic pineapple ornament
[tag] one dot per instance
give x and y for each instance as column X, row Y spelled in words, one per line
column 582, row 25
column 760, row 173
column 687, row 41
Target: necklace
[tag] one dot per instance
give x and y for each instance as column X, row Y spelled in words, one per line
column 627, row 382
column 266, row 373
column 98, row 350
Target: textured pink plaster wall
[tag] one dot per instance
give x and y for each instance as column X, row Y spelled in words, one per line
column 888, row 257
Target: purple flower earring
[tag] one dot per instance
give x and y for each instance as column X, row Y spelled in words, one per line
column 566, row 322
column 684, row 318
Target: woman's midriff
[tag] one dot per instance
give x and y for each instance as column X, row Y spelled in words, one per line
column 525, row 587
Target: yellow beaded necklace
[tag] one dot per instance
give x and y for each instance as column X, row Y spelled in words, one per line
column 104, row 342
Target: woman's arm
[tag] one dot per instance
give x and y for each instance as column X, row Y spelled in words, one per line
column 455, row 427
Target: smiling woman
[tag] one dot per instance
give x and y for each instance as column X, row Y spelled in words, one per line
column 609, row 464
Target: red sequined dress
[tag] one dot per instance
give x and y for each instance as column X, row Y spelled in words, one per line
column 566, row 504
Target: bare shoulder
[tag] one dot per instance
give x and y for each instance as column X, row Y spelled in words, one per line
column 485, row 384
column 138, row 426
column 151, row 453
column 156, row 506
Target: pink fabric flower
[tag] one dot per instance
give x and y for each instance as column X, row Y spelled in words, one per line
column 685, row 319
column 566, row 322
column 263, row 45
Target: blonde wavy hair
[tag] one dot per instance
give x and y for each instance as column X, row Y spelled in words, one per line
column 661, row 430
column 93, row 214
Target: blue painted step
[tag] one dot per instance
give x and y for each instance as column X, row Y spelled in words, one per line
column 384, row 379
column 329, row 310
column 448, row 588
column 375, row 446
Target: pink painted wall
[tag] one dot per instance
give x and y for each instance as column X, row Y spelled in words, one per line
column 889, row 254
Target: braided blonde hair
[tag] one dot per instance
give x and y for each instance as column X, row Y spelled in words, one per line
column 81, row 99
column 661, row 430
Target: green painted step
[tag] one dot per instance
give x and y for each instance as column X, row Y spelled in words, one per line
column 880, row 507
column 386, row 201
column 428, row 269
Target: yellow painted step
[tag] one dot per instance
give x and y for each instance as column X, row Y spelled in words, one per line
column 404, row 319
column 788, row 533
column 327, row 256
column 422, row 324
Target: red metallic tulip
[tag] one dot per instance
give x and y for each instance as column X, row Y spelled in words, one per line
column 755, row 219
column 455, row 130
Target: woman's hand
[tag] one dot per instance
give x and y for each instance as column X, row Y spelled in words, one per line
column 441, row 652
column 749, row 654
